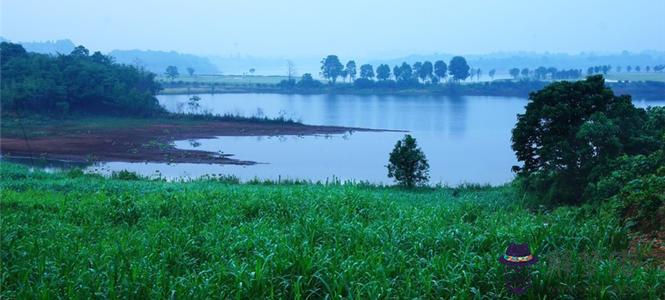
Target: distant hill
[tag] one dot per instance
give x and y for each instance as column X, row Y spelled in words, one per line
column 157, row 61
column 48, row 47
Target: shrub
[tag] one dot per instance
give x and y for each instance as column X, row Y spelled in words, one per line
column 643, row 203
column 408, row 164
column 125, row 175
column 307, row 81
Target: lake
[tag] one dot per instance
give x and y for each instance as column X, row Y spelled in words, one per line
column 465, row 138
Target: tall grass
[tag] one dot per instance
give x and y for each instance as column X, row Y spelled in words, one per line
column 85, row 236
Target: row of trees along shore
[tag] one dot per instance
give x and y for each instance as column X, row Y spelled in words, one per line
column 425, row 72
column 456, row 70
column 553, row 73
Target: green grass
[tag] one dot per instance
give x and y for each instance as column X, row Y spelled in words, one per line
column 635, row 76
column 69, row 235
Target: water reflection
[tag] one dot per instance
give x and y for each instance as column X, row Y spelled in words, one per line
column 466, row 138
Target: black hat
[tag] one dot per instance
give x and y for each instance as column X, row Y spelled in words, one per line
column 518, row 255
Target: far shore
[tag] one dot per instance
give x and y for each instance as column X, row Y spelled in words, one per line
column 140, row 140
column 638, row 90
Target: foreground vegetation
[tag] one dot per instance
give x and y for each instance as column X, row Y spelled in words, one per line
column 72, row 235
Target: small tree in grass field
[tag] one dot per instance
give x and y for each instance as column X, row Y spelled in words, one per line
column 408, row 164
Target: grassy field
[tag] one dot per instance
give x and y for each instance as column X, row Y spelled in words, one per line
column 69, row 235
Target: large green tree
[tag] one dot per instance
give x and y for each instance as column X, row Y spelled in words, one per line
column 425, row 71
column 440, row 69
column 458, row 68
column 351, row 69
column 397, row 71
column 405, row 72
column 570, row 131
column 416, row 69
column 383, row 72
column 331, row 68
column 366, row 71
column 407, row 163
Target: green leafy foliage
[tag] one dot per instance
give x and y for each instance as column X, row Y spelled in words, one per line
column 579, row 142
column 643, row 202
column 458, row 68
column 307, row 81
column 172, row 72
column 331, row 68
column 125, row 175
column 572, row 130
column 383, row 72
column 95, row 237
column 408, row 164
column 78, row 82
column 366, row 71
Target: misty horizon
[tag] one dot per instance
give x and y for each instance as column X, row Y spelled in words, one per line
column 277, row 30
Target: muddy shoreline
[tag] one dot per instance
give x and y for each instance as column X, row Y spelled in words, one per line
column 152, row 142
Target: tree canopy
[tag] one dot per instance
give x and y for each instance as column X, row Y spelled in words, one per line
column 571, row 131
column 78, row 82
column 331, row 68
column 366, row 71
column 458, row 68
column 425, row 71
column 351, row 69
column 383, row 72
column 407, row 163
column 172, row 72
column 440, row 69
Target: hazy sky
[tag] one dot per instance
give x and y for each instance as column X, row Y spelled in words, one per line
column 354, row 28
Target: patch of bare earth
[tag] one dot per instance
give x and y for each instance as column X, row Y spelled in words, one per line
column 152, row 142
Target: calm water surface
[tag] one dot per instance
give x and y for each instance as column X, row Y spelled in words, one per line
column 466, row 138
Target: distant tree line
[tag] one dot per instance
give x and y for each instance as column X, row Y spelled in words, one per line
column 604, row 69
column 656, row 68
column 544, row 73
column 399, row 75
column 77, row 82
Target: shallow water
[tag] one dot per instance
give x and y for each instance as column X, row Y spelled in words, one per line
column 466, row 138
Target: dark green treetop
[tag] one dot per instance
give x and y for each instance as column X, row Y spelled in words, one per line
column 331, row 68
column 366, row 71
column 571, row 130
column 408, row 164
column 458, row 68
column 383, row 72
